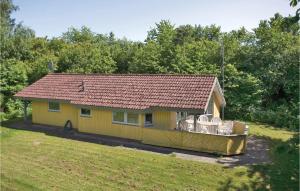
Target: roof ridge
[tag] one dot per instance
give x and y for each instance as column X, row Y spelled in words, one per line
column 132, row 74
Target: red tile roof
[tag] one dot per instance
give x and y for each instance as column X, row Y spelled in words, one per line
column 124, row 91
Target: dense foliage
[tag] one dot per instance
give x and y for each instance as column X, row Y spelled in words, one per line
column 261, row 66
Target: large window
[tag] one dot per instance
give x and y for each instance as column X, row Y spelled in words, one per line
column 132, row 118
column 53, row 106
column 84, row 112
column 148, row 119
column 119, row 117
column 125, row 117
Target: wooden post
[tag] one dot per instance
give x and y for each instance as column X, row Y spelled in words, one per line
column 25, row 103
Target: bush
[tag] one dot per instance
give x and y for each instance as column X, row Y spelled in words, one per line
column 3, row 116
column 282, row 117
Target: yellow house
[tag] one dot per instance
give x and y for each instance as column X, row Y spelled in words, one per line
column 146, row 108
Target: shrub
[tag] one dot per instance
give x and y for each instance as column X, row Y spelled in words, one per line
column 281, row 117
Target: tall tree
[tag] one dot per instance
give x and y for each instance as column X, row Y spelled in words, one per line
column 86, row 58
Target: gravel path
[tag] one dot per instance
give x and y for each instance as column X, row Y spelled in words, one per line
column 256, row 152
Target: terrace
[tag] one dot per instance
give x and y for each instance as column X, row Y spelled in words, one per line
column 202, row 124
column 213, row 136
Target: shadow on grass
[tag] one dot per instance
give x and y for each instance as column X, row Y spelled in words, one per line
column 281, row 174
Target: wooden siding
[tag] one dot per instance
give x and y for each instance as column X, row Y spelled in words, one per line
column 226, row 145
column 100, row 122
column 164, row 119
column 41, row 115
column 217, row 106
column 161, row 134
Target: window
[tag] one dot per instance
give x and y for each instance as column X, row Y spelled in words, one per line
column 148, row 119
column 118, row 117
column 126, row 118
column 181, row 115
column 85, row 112
column 133, row 118
column 53, row 106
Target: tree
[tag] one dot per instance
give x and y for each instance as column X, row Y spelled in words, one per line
column 184, row 34
column 211, row 32
column 243, row 93
column 147, row 60
column 294, row 3
column 6, row 9
column 122, row 52
column 73, row 35
column 13, row 79
column 275, row 60
column 196, row 58
column 86, row 58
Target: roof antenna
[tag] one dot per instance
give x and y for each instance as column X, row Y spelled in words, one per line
column 222, row 70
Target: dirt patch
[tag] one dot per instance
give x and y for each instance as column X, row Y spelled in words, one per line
column 257, row 152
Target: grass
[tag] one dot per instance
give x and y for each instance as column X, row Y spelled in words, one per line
column 36, row 161
column 270, row 132
column 283, row 173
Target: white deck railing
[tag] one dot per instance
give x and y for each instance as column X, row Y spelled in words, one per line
column 208, row 127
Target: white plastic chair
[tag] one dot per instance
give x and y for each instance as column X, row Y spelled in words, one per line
column 203, row 118
column 200, row 127
column 226, row 129
column 183, row 125
column 216, row 120
column 190, row 117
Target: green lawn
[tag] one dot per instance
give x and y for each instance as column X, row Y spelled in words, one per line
column 36, row 161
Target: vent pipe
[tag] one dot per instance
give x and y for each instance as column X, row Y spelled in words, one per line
column 82, row 85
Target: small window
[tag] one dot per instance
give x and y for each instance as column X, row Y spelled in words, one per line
column 148, row 119
column 133, row 118
column 118, row 117
column 85, row 112
column 53, row 106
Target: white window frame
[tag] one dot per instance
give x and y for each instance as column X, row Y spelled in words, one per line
column 85, row 115
column 118, row 121
column 53, row 110
column 125, row 113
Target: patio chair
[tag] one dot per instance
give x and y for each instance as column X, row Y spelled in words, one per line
column 226, row 128
column 201, row 128
column 216, row 120
column 229, row 125
column 183, row 125
column 203, row 118
column 190, row 117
